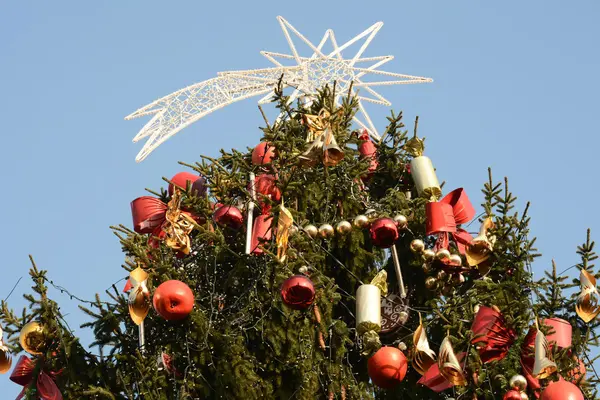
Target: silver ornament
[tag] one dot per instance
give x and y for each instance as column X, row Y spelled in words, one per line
column 458, row 279
column 524, row 396
column 293, row 230
column 343, row 227
column 303, row 269
column 403, row 317
column 402, row 346
column 401, row 221
column 361, row 221
column 518, row 382
column 476, row 308
column 311, row 231
column 417, row 245
column 326, row 231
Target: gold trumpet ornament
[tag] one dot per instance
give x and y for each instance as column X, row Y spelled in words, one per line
column 448, row 364
column 543, row 366
column 423, row 357
column 587, row 306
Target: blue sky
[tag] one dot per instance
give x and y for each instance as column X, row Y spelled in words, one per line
column 515, row 88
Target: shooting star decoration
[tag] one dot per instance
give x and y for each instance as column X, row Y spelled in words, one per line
column 176, row 111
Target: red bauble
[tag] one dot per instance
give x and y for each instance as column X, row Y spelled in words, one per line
column 387, row 367
column 261, row 232
column 229, row 216
column 181, row 179
column 561, row 390
column 263, row 154
column 384, row 232
column 265, row 185
column 298, row 292
column 173, row 300
column 512, row 395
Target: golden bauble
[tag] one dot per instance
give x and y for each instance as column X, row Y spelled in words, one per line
column 476, row 308
column 428, row 255
column 518, row 382
column 417, row 245
column 430, row 282
column 303, row 269
column 443, row 255
column 456, row 260
column 362, row 221
column 426, row 268
column 401, row 221
column 458, row 279
column 403, row 317
column 293, row 230
column 524, row 396
column 311, row 231
column 326, row 231
column 402, row 346
column 33, row 338
column 343, row 227
column 442, row 275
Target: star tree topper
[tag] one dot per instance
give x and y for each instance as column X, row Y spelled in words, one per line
column 177, row 110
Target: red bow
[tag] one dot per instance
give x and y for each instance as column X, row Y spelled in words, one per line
column 23, row 375
column 443, row 217
column 492, row 337
column 561, row 336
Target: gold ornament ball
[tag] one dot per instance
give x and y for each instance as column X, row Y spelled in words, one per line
column 458, row 279
column 303, row 269
column 524, row 396
column 417, row 245
column 293, row 230
column 518, row 382
column 455, row 260
column 326, row 231
column 428, row 255
column 401, row 221
column 343, row 227
column 476, row 308
column 311, row 231
column 443, row 254
column 402, row 346
column 426, row 268
column 430, row 282
column 403, row 317
column 442, row 275
column 361, row 221
column 33, row 338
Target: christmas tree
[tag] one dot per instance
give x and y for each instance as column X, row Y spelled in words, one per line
column 321, row 264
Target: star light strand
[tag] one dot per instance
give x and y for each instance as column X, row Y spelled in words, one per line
column 182, row 108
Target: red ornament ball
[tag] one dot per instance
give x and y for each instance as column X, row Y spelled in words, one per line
column 384, row 232
column 512, row 395
column 266, row 185
column 298, row 292
column 263, row 153
column 561, row 390
column 173, row 300
column 387, row 367
column 229, row 216
column 181, row 179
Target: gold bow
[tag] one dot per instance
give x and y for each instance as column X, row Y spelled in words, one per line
column 323, row 144
column 286, row 220
column 587, row 306
column 449, row 366
column 177, row 226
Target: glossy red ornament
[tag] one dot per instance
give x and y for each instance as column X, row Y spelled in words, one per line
column 387, row 367
column 173, row 300
column 229, row 216
column 182, row 178
column 298, row 292
column 561, row 390
column 512, row 395
column 263, row 153
column 265, row 185
column 384, row 232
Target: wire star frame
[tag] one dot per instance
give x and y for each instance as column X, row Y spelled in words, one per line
column 182, row 108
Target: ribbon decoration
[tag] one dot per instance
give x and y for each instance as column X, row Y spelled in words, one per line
column 139, row 298
column 23, row 375
column 449, row 365
column 445, row 215
column 324, row 146
column 423, row 357
column 285, row 222
column 492, row 338
column 151, row 215
column 587, row 306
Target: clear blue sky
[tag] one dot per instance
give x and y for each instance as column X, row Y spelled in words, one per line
column 516, row 88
